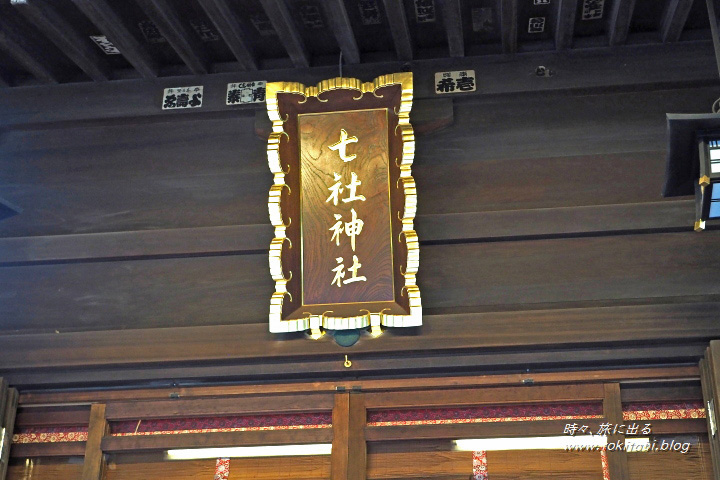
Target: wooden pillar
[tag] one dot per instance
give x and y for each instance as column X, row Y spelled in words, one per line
column 710, row 380
column 612, row 411
column 349, row 450
column 94, row 463
column 8, row 409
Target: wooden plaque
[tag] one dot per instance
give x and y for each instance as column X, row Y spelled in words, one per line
column 345, row 253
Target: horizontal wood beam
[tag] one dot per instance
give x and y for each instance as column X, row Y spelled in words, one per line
column 215, row 440
column 219, row 406
column 490, row 396
column 675, row 323
column 225, row 20
column 52, row 417
column 178, row 34
column 77, row 47
column 104, row 16
column 54, row 449
column 432, row 363
column 470, row 430
column 628, row 376
column 432, row 229
column 677, row 426
column 633, row 67
column 523, row 428
column 662, row 392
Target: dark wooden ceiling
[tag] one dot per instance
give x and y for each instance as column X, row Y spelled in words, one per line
column 49, row 41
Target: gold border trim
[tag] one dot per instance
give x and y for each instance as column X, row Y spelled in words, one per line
column 370, row 319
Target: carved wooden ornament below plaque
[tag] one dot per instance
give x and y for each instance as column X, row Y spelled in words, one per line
column 345, row 253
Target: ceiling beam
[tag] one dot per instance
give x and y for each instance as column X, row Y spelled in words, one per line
column 102, row 14
column 283, row 23
column 181, row 37
column 619, row 24
column 342, row 28
column 29, row 56
column 452, row 15
column 77, row 47
column 693, row 67
column 676, row 15
column 227, row 23
column 509, row 25
column 397, row 20
column 565, row 26
column 713, row 10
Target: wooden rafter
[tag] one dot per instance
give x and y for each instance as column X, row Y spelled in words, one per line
column 284, row 24
column 104, row 16
column 342, row 28
column 620, row 17
column 228, row 25
column 452, row 15
column 78, row 48
column 676, row 15
column 26, row 54
column 178, row 33
column 397, row 20
column 565, row 26
column 509, row 25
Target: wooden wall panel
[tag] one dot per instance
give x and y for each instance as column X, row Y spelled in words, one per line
column 137, row 467
column 418, row 465
column 180, row 470
column 210, row 170
column 116, row 295
column 135, row 175
column 503, row 465
column 41, row 468
column 220, row 290
column 694, row 465
column 544, row 464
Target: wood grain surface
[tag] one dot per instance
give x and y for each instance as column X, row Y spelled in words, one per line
column 321, row 169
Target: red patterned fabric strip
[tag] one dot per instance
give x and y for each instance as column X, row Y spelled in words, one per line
column 477, row 420
column 523, row 412
column 52, row 437
column 480, row 466
column 663, row 411
column 223, row 424
column 222, row 469
column 605, row 465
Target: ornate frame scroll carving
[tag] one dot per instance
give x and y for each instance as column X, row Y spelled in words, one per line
column 405, row 182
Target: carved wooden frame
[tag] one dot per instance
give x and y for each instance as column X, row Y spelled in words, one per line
column 282, row 208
